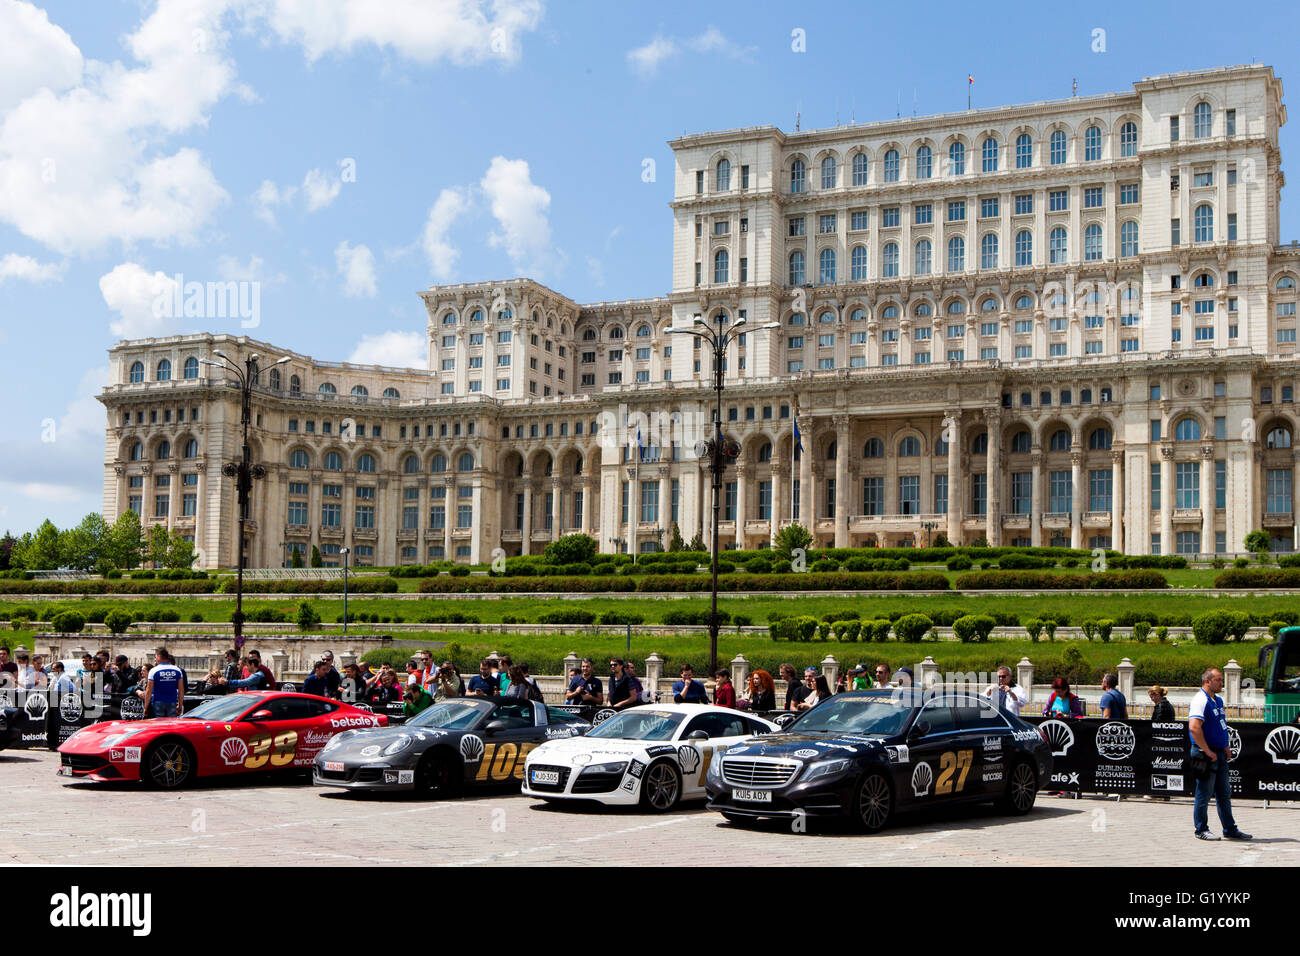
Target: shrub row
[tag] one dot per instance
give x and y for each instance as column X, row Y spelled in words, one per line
column 1259, row 578
column 368, row 585
column 1038, row 581
column 109, row 587
column 837, row 581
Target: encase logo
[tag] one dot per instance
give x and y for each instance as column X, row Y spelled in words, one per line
column 74, row 910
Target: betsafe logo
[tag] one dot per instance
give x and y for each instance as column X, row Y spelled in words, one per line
column 75, row 909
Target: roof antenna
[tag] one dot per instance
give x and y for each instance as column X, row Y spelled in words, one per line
column 898, row 112
column 798, row 115
column 1074, row 90
column 853, row 111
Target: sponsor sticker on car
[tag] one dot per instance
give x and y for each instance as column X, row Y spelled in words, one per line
column 752, row 796
column 399, row 776
column 545, row 776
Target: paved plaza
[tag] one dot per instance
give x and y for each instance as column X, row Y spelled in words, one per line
column 50, row 820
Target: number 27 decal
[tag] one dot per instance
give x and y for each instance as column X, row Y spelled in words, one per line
column 951, row 762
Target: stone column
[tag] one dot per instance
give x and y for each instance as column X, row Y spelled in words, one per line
column 588, row 504
column 1207, row 499
column 654, row 672
column 929, row 675
column 1232, row 683
column 1117, row 500
column 806, row 513
column 1295, row 491
column 1125, row 674
column 743, row 472
column 993, row 502
column 448, row 518
column 842, row 452
column 557, row 507
column 739, row 672
column 1076, row 496
column 952, row 424
column 665, row 505
column 1036, row 499
column 1166, row 499
column 779, row 474
column 830, row 670
column 526, row 538
column 1025, row 678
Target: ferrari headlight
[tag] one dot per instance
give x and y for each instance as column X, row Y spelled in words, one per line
column 825, row 768
column 397, row 746
column 117, row 739
column 616, row 767
column 336, row 740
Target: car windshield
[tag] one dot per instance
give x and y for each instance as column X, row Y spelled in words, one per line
column 448, row 714
column 221, row 708
column 640, row 724
column 855, row 715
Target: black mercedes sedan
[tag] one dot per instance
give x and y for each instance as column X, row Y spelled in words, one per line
column 870, row 754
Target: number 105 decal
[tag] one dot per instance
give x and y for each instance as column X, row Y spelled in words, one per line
column 503, row 761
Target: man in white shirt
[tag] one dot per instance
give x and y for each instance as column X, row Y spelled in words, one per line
column 26, row 674
column 1005, row 695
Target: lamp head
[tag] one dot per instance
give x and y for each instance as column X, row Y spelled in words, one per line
column 282, row 360
column 220, row 354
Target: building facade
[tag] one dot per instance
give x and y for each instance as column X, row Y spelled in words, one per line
column 1064, row 323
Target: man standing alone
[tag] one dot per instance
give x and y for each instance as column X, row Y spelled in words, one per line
column 1208, row 727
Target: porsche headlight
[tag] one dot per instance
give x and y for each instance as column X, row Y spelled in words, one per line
column 825, row 768
column 336, row 740
column 615, row 767
column 397, row 746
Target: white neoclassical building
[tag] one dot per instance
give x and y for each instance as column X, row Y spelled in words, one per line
column 1062, row 323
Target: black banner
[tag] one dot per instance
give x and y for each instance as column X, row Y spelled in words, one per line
column 1095, row 755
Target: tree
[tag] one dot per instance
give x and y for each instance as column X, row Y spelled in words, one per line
column 697, row 543
column 675, row 541
column 316, row 561
column 44, row 552
column 7, row 544
column 571, row 549
column 307, row 616
column 789, row 538
column 941, row 541
column 126, row 541
column 117, row 620
column 180, row 553
column 84, row 545
column 159, row 542
column 295, row 557
column 1257, row 542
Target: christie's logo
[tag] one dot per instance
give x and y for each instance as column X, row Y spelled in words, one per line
column 75, row 909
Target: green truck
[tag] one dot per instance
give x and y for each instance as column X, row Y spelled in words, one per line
column 1280, row 662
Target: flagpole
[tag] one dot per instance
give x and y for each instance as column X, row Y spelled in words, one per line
column 635, row 510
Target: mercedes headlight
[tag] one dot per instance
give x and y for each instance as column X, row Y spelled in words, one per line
column 715, row 772
column 336, row 740
column 825, row 768
column 616, row 767
column 397, row 746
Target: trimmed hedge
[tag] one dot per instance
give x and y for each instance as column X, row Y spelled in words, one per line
column 1039, row 581
column 973, row 627
column 367, row 585
column 1259, row 578
column 832, row 581
column 207, row 586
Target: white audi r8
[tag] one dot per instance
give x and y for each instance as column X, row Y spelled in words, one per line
column 655, row 755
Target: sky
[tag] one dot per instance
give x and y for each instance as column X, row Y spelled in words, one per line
column 338, row 156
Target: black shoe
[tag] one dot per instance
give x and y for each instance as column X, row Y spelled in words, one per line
column 1236, row 835
column 1206, row 835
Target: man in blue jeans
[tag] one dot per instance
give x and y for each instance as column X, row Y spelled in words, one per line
column 1208, row 727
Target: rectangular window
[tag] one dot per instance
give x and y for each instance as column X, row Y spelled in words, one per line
column 1285, row 335
column 1278, row 499
column 909, row 494
column 826, row 223
column 650, row 501
column 331, row 515
column 889, row 359
column 1155, row 429
column 956, row 355
column 1021, row 492
column 1092, row 347
column 796, row 226
column 365, row 516
column 1187, row 484
column 1060, row 493
column 889, row 217
column 729, row 501
column 924, row 214
column 1203, row 178
column 957, row 210
column 1128, row 194
column 1220, row 485
column 1024, row 204
column 873, row 496
column 1058, row 200
column 1024, row 351
column 1175, row 231
column 298, row 512
column 765, row 500
column 1056, row 349
column 989, row 208
column 858, row 221
column 989, row 353
column 979, row 487
column 1128, row 345
column 190, row 506
column 1092, row 197
column 941, row 494
column 1155, row 488
column 1099, row 489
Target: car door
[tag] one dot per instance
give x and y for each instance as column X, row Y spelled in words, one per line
column 273, row 745
column 695, row 756
column 938, row 765
column 510, row 732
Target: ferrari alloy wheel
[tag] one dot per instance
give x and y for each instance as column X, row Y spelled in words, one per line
column 435, row 776
column 169, row 764
column 874, row 802
column 661, row 787
column 1022, row 788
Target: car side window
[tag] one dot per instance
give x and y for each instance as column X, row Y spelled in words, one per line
column 284, row 708
column 756, row 728
column 716, row 725
column 556, row 716
column 940, row 718
column 516, row 716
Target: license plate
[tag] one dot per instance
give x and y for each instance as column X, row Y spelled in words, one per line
column 65, row 771
column 546, row 776
column 752, row 796
column 334, row 765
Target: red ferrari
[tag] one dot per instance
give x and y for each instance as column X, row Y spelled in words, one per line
column 238, row 733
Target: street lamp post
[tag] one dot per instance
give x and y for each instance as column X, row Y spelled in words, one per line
column 928, row 527
column 243, row 471
column 720, row 452
column 345, row 552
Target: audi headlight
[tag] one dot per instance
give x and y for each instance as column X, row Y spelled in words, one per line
column 616, row 767
column 397, row 746
column 336, row 740
column 825, row 768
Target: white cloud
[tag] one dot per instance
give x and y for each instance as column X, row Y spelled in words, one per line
column 520, row 208
column 356, row 264
column 646, row 60
column 320, row 189
column 596, row 269
column 34, row 54
column 27, row 269
column 131, row 291
column 446, row 209
column 268, row 197
column 398, row 349
column 426, row 31
column 232, row 270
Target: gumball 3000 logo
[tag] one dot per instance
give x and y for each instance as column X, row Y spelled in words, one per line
column 1116, row 740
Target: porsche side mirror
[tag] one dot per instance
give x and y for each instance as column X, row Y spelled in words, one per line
column 496, row 725
column 262, row 714
column 698, row 735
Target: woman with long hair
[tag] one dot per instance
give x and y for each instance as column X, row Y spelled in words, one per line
column 762, row 691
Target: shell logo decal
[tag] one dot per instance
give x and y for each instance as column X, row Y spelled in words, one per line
column 1283, row 744
column 1059, row 736
column 922, row 777
column 233, row 751
column 36, row 705
column 689, row 758
column 471, row 748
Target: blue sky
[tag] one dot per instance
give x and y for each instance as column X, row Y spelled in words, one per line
column 350, row 155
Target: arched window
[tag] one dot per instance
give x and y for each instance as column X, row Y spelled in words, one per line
column 298, row 459
column 989, row 251
column 392, row 393
column 1057, row 246
column 1100, row 439
column 721, row 263
column 826, row 266
column 858, row 263
column 826, row 316
column 137, row 373
column 191, row 449
column 830, row 451
column 860, row 167
column 295, row 385
column 411, row 466
column 1092, row 242
column 191, row 368
column 588, row 335
column 273, row 379
column 957, row 307
column 1203, row 281
column 327, row 389
column 1128, row 139
column 891, row 166
column 957, row 159
column 828, row 172
column 1128, row 239
column 643, row 332
column 1024, row 302
column 1092, row 144
column 439, row 464
column 857, row 315
column 980, row 444
column 1024, row 248
column 1286, row 284
column 922, row 309
column 1060, row 440
column 360, row 391
column 616, row 332
column 1279, row 437
column 449, row 318
column 888, row 261
column 923, row 258
column 164, row 370
column 924, row 162
column 889, row 312
column 989, row 305
column 1203, row 220
column 797, row 273
column 909, row 447
column 465, row 462
column 798, row 176
column 1021, row 443
column 956, row 254
column 724, row 175
column 164, row 450
column 1201, row 120
column 1024, row 151
column 1058, row 147
column 476, row 315
column 136, row 453
column 366, row 464
column 874, row 448
column 989, row 156
column 1189, row 429
column 332, row 461
column 765, row 451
